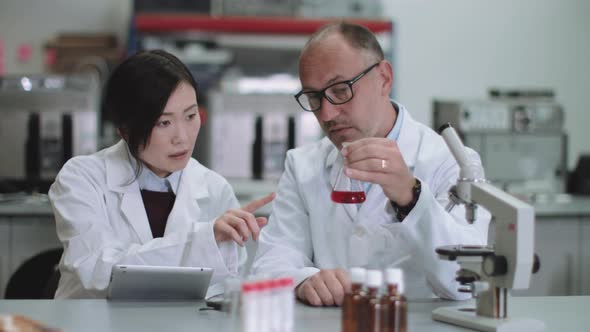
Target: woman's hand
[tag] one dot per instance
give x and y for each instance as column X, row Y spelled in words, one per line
column 241, row 224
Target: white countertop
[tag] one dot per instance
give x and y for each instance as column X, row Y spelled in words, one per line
column 558, row 313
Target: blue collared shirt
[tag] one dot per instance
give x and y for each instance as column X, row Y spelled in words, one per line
column 393, row 134
column 148, row 180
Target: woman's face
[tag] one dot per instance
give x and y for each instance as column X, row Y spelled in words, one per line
column 173, row 138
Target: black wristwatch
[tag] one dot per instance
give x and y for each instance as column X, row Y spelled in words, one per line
column 401, row 212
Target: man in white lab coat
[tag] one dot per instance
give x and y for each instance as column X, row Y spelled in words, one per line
column 405, row 167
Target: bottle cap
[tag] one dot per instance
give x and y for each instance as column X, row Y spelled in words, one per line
column 395, row 276
column 358, row 275
column 374, row 278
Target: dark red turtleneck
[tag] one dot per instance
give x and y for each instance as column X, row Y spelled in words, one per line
column 157, row 206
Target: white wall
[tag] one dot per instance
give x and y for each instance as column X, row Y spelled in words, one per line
column 460, row 48
column 445, row 48
column 36, row 21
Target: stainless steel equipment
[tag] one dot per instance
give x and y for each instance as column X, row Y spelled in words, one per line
column 46, row 119
column 521, row 140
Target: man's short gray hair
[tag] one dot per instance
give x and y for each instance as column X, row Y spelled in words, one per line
column 356, row 35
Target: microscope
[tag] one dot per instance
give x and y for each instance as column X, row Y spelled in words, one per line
column 488, row 272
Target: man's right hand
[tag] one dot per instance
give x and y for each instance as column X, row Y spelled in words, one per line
column 325, row 288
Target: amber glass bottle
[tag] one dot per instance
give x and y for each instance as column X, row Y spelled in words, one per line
column 354, row 302
column 394, row 306
column 374, row 281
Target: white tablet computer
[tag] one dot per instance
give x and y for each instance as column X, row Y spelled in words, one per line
column 143, row 282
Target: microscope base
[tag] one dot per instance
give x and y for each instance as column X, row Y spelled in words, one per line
column 466, row 317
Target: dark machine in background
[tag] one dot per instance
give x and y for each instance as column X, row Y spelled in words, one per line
column 46, row 119
column 519, row 136
column 579, row 179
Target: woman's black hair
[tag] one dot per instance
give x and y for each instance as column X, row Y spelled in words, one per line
column 137, row 92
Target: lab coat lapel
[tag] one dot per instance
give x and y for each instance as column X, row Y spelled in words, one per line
column 334, row 164
column 120, row 171
column 186, row 208
column 409, row 140
column 134, row 210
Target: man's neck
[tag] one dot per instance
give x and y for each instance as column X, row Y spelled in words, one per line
column 395, row 111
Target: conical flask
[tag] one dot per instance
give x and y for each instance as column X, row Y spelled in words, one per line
column 347, row 190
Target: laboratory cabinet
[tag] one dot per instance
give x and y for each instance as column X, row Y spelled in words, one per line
column 585, row 257
column 4, row 254
column 31, row 236
column 22, row 237
column 557, row 243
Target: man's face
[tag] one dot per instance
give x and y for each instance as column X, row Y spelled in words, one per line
column 332, row 60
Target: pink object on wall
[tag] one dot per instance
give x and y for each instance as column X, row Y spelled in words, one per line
column 50, row 57
column 24, row 53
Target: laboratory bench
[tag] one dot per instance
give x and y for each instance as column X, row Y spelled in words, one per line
column 559, row 313
column 562, row 237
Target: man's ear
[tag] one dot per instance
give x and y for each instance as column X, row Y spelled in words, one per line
column 386, row 73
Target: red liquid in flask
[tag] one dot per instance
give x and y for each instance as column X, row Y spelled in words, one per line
column 348, row 197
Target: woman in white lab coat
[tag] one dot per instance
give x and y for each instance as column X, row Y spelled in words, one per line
column 144, row 200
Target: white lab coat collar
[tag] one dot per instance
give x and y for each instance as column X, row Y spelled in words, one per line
column 120, row 169
column 120, row 174
column 409, row 140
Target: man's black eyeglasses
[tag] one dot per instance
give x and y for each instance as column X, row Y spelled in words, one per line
column 337, row 93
